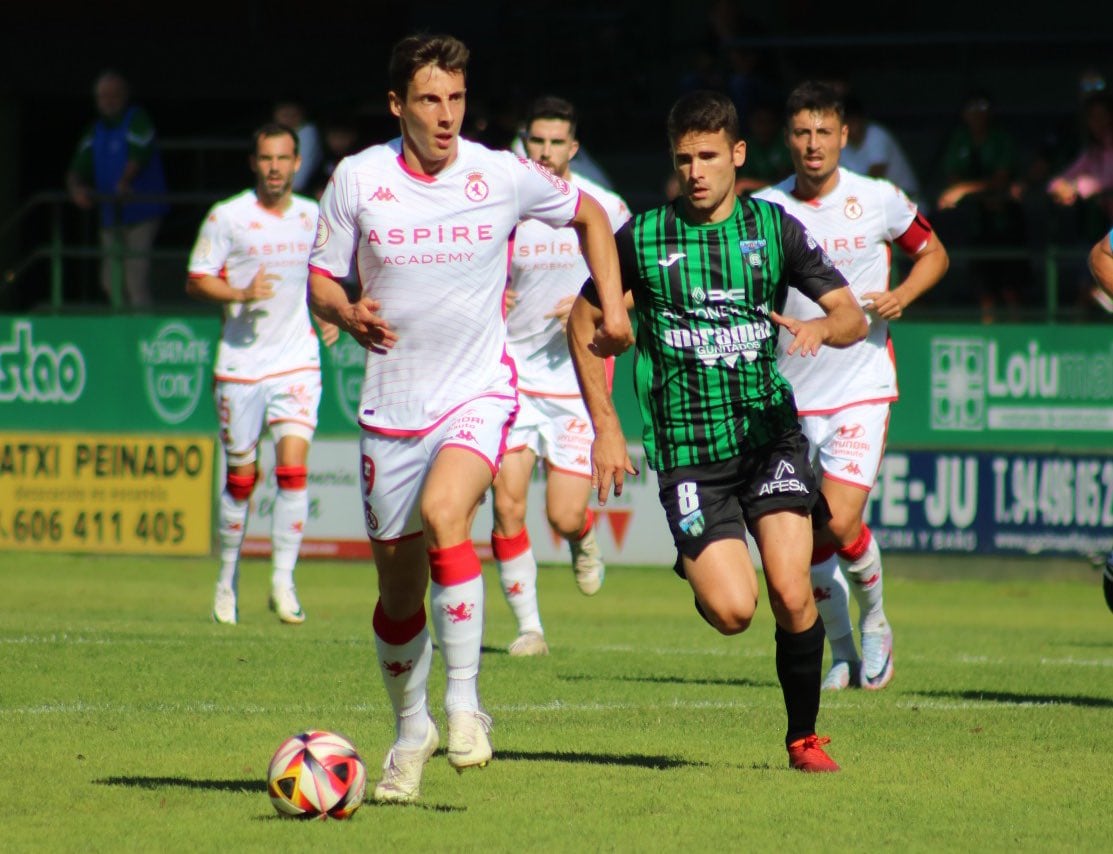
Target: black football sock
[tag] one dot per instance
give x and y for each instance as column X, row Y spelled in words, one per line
column 799, row 662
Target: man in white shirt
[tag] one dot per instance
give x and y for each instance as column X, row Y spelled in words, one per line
column 252, row 256
column 843, row 396
column 546, row 273
column 429, row 216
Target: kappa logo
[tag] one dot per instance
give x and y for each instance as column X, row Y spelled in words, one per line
column 515, row 589
column 822, row 594
column 577, row 425
column 383, row 194
column 466, row 435
column 476, row 188
column 853, row 469
column 254, row 226
column 298, row 527
column 459, row 613
column 672, row 259
column 581, row 460
column 397, row 668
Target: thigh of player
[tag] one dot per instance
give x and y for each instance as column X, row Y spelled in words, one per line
column 848, row 445
column 240, row 409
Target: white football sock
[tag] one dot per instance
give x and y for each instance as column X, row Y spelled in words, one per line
column 231, row 526
column 291, row 510
column 833, row 601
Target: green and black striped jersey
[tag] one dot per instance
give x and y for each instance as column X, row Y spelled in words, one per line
column 706, row 370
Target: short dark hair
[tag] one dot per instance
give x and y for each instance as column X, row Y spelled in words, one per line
column 703, row 111
column 814, row 97
column 552, row 107
column 413, row 52
column 269, row 129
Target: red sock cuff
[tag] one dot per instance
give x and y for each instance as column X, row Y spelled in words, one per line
column 454, row 565
column 822, row 553
column 291, row 477
column 857, row 548
column 507, row 548
column 240, row 485
column 397, row 632
column 589, row 521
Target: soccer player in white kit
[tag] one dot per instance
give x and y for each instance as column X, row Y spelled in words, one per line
column 843, row 396
column 429, row 216
column 252, row 256
column 546, row 273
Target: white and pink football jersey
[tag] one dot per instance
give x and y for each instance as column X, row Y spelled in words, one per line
column 433, row 251
column 546, row 265
column 856, row 223
column 268, row 337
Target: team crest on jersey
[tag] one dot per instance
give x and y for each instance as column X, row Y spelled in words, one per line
column 754, row 250
column 322, row 233
column 852, row 208
column 476, row 188
column 305, row 223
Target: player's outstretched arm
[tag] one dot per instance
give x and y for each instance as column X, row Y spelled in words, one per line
column 844, row 324
column 614, row 334
column 329, row 302
column 610, row 462
column 929, row 265
column 1101, row 264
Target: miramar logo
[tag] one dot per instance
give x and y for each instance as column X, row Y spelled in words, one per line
column 348, row 360
column 175, row 363
column 39, row 373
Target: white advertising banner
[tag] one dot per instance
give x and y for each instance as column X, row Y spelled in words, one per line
column 631, row 528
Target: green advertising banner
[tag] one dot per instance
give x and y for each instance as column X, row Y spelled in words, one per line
column 1003, row 387
column 154, row 374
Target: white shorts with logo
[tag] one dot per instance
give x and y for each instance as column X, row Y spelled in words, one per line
column 284, row 403
column 557, row 429
column 393, row 469
column 848, row 445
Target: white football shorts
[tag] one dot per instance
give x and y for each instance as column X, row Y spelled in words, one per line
column 392, row 469
column 286, row 404
column 848, row 445
column 556, row 429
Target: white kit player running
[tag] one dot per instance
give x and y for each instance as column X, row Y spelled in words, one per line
column 843, row 396
column 546, row 273
column 429, row 216
column 252, row 255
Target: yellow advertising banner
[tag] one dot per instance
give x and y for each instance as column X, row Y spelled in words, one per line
column 108, row 493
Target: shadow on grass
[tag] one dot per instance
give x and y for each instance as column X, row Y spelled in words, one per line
column 657, row 763
column 185, row 783
column 1018, row 699
column 671, row 680
column 244, row 786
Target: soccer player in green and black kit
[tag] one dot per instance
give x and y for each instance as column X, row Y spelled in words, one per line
column 708, row 274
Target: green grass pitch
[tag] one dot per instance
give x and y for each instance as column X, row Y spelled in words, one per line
column 129, row 722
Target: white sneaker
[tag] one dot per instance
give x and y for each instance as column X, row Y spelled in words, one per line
column 225, row 611
column 587, row 563
column 402, row 769
column 877, row 658
column 528, row 643
column 842, row 675
column 284, row 602
column 468, row 743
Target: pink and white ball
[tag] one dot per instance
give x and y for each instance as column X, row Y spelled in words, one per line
column 316, row 774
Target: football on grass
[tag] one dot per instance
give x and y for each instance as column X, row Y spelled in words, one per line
column 316, row 774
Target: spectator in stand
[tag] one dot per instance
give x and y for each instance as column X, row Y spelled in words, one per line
column 872, row 150
column 977, row 208
column 767, row 159
column 116, row 158
column 1087, row 184
column 292, row 114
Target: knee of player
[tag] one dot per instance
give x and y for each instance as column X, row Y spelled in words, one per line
column 509, row 510
column 729, row 616
column 844, row 527
column 566, row 520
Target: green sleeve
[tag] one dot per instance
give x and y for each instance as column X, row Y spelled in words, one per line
column 81, row 164
column 141, row 137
